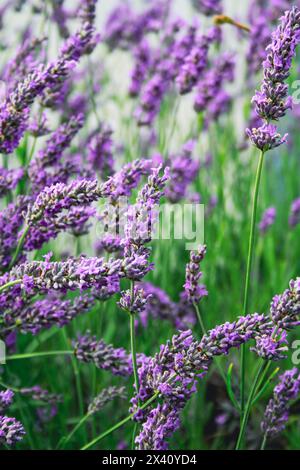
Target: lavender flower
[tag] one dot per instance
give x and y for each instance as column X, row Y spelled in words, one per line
column 11, row 220
column 11, row 431
column 161, row 424
column 285, row 308
column 266, row 137
column 54, row 148
column 106, row 396
column 52, row 200
column 277, row 411
column 141, row 68
column 210, row 96
column 272, row 101
column 271, row 347
column 6, row 399
column 37, row 393
column 48, row 312
column 294, row 218
column 208, row 7
column 193, row 290
column 133, row 302
column 82, row 273
column 267, row 220
column 193, row 65
column 173, row 371
column 9, row 179
column 160, row 307
column 14, row 111
column 104, row 356
column 260, row 34
column 183, row 171
column 100, row 154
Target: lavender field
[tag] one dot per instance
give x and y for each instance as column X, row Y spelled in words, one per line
column 149, row 225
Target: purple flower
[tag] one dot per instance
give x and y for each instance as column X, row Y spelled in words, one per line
column 100, row 154
column 45, row 313
column 266, row 137
column 208, row 7
column 272, row 101
column 9, row 179
column 193, row 65
column 194, row 291
column 183, row 171
column 285, row 308
column 133, row 302
column 141, row 68
column 106, row 396
column 277, row 411
column 82, row 273
column 55, row 146
column 294, row 218
column 161, row 423
column 104, row 356
column 11, row 431
column 271, row 347
column 267, row 220
column 6, row 399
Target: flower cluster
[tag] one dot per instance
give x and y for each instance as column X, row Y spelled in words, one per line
column 272, row 101
column 106, row 396
column 194, row 291
column 277, row 411
column 104, row 356
column 208, row 7
column 294, row 218
column 11, row 430
column 268, row 219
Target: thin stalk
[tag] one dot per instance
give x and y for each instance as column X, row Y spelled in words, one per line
column 133, row 354
column 264, row 442
column 65, row 440
column 261, row 366
column 248, row 275
column 203, row 330
column 10, row 284
column 199, row 316
column 16, row 357
column 119, row 424
column 19, row 247
column 76, row 376
column 265, row 386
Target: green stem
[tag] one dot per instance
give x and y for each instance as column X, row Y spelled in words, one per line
column 264, row 442
column 265, row 386
column 10, row 284
column 15, row 357
column 119, row 424
column 65, row 440
column 133, row 353
column 199, row 316
column 248, row 275
column 76, row 376
column 261, row 366
column 203, row 330
column 19, row 247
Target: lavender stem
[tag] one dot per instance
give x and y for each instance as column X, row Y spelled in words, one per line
column 248, row 275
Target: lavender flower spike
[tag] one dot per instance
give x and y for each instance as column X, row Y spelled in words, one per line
column 6, row 399
column 272, row 101
column 277, row 411
column 268, row 219
column 194, row 292
column 11, row 431
column 105, row 397
column 294, row 218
